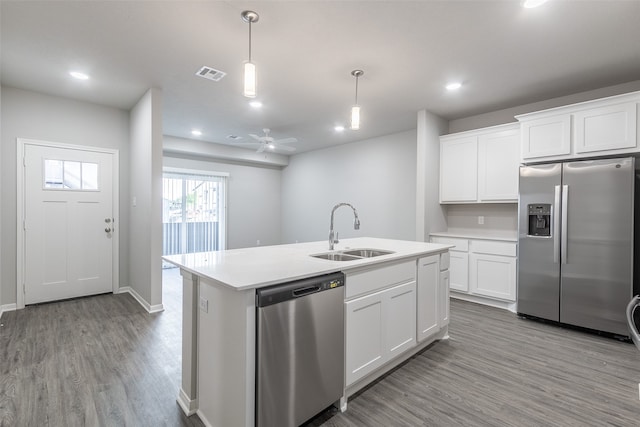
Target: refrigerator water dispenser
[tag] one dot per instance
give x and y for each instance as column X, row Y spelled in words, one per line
column 539, row 219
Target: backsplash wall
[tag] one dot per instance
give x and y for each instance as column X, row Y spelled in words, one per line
column 497, row 217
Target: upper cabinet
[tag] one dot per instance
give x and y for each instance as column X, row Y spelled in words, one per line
column 480, row 166
column 607, row 126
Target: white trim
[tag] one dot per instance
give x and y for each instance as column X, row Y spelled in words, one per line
column 7, row 307
column 204, row 419
column 505, row 305
column 170, row 169
column 20, row 150
column 148, row 307
column 189, row 407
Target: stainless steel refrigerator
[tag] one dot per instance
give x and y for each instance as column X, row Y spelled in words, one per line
column 576, row 241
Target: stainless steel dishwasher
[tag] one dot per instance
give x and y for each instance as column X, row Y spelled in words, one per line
column 300, row 349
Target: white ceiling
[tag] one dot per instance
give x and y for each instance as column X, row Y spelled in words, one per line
column 304, row 51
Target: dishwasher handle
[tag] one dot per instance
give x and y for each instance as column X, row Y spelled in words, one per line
column 300, row 292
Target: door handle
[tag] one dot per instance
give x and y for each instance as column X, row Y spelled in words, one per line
column 565, row 214
column 556, row 226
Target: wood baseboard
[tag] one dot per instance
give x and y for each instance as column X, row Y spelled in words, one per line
column 148, row 307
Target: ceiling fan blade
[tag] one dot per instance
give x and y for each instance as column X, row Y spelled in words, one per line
column 261, row 148
column 259, row 138
column 285, row 148
column 285, row 141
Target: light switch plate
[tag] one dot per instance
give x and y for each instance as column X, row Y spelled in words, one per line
column 481, row 220
column 204, row 304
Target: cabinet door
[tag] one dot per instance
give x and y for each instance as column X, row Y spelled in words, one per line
column 428, row 274
column 606, row 128
column 459, row 269
column 443, row 312
column 459, row 170
column 546, row 137
column 400, row 318
column 364, row 336
column 493, row 276
column 498, row 165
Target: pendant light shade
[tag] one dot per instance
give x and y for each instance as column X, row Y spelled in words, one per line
column 355, row 109
column 355, row 117
column 250, row 77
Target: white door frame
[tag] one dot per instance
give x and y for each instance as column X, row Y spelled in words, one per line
column 20, row 254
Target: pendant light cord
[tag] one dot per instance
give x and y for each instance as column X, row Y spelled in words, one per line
column 249, row 41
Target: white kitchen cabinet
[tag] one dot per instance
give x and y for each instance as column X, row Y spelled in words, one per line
column 482, row 268
column 379, row 326
column 365, row 350
column 480, row 166
column 498, row 165
column 493, row 276
column 458, row 260
column 607, row 126
column 458, row 169
column 428, row 293
column 400, row 313
column 612, row 127
column 546, row 137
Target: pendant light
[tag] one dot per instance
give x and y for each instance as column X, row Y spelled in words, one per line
column 249, row 17
column 355, row 109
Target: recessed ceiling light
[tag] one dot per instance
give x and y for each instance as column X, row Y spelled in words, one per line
column 530, row 4
column 78, row 75
column 256, row 104
column 454, row 86
column 339, row 128
column 196, row 132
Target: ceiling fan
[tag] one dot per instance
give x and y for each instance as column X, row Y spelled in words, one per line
column 267, row 142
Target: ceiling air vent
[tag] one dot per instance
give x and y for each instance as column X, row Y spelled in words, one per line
column 211, row 73
column 234, row 137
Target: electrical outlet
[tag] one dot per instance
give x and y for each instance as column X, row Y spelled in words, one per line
column 481, row 220
column 204, row 304
column 257, row 242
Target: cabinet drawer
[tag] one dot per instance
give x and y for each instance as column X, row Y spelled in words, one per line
column 493, row 247
column 368, row 281
column 461, row 245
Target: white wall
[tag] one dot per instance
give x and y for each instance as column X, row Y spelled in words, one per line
column 33, row 115
column 507, row 115
column 253, row 198
column 377, row 176
column 145, row 236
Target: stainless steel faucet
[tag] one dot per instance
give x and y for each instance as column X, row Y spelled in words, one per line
column 333, row 239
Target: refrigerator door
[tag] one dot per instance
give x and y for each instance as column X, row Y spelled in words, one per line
column 597, row 269
column 538, row 255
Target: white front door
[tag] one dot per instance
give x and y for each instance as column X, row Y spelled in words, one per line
column 68, row 222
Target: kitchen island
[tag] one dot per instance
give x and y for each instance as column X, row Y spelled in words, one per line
column 409, row 288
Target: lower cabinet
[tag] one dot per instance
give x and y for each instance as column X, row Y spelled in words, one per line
column 493, row 276
column 379, row 326
column 482, row 267
column 428, row 316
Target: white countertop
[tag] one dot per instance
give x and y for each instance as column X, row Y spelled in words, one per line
column 508, row 236
column 257, row 267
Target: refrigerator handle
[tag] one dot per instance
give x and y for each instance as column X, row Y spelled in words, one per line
column 556, row 225
column 565, row 212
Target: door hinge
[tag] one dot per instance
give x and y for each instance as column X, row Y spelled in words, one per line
column 24, row 225
column 24, row 161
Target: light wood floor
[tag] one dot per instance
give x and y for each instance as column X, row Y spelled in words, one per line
column 103, row 361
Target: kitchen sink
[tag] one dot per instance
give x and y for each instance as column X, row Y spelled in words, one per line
column 367, row 253
column 336, row 256
column 352, row 254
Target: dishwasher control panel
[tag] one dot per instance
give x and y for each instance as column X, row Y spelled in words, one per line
column 298, row 289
